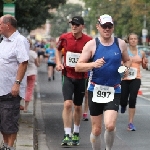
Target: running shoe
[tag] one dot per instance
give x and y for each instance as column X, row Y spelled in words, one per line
column 123, row 109
column 53, row 77
column 75, row 139
column 3, row 148
column 66, row 141
column 49, row 79
column 131, row 127
column 85, row 119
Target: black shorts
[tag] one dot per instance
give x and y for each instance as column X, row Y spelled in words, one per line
column 51, row 64
column 98, row 108
column 73, row 87
column 9, row 114
column 41, row 53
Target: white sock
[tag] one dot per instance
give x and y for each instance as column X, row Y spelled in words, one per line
column 11, row 148
column 95, row 141
column 5, row 144
column 67, row 131
column 109, row 138
column 76, row 128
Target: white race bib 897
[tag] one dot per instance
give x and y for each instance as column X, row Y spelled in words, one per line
column 132, row 73
column 72, row 58
column 103, row 94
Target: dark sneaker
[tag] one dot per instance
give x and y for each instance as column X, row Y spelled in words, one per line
column 131, row 127
column 49, row 79
column 85, row 119
column 3, row 148
column 123, row 109
column 53, row 77
column 66, row 141
column 75, row 139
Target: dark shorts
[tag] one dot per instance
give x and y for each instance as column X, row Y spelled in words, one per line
column 98, row 108
column 73, row 87
column 51, row 64
column 9, row 114
column 41, row 53
column 129, row 92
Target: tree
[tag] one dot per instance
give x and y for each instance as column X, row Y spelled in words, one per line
column 60, row 21
column 128, row 15
column 31, row 14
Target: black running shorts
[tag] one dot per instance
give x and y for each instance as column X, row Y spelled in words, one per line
column 98, row 108
column 73, row 89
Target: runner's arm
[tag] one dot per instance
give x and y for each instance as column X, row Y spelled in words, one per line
column 125, row 57
column 144, row 60
column 83, row 64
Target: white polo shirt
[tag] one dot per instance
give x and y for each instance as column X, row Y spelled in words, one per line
column 13, row 51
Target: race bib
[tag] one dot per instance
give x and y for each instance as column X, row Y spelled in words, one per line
column 132, row 73
column 72, row 58
column 51, row 59
column 103, row 94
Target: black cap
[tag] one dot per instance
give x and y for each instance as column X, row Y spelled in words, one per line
column 77, row 20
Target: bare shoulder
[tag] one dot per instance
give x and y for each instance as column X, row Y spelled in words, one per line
column 90, row 47
column 90, row 43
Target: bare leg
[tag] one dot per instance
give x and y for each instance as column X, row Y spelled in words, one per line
column 110, row 117
column 77, row 115
column 95, row 137
column 9, row 139
column 26, row 105
column 131, row 114
column 85, row 107
column 67, row 114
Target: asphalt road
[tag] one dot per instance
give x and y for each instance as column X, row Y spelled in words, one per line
column 51, row 101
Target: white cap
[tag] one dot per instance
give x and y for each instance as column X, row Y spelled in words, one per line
column 105, row 19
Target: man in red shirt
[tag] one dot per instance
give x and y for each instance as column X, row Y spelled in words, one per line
column 73, row 82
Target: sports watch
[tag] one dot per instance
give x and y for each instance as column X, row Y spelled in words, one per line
column 17, row 82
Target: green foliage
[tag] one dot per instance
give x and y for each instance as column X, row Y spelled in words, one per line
column 60, row 22
column 128, row 15
column 31, row 14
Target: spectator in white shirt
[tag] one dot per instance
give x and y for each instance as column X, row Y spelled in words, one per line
column 14, row 57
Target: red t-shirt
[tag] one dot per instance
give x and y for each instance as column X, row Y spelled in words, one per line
column 72, row 46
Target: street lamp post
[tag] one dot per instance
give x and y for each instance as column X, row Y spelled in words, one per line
column 144, row 30
column 85, row 13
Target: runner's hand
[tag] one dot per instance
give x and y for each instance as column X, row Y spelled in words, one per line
column 15, row 90
column 99, row 63
column 126, row 73
column 59, row 67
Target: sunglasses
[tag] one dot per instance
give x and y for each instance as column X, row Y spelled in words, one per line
column 74, row 24
column 105, row 26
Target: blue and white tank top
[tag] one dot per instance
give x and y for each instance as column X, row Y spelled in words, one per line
column 107, row 74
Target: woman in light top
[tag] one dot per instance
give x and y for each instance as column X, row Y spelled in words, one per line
column 31, row 75
column 131, row 84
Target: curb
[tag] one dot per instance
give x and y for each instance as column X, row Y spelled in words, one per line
column 39, row 126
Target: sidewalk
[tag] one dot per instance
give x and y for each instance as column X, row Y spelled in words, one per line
column 25, row 135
